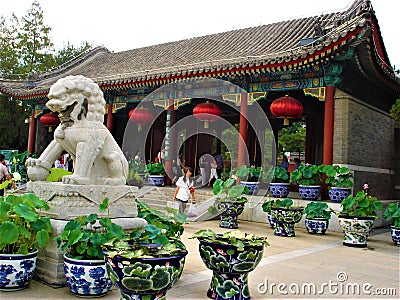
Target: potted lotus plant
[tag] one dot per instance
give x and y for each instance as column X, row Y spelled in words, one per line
column 284, row 214
column 155, row 173
column 339, row 180
column 357, row 217
column 229, row 203
column 279, row 186
column 309, row 179
column 317, row 218
column 146, row 262
column 231, row 256
column 23, row 231
column 392, row 212
column 249, row 176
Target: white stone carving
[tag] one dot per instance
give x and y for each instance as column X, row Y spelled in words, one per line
column 97, row 157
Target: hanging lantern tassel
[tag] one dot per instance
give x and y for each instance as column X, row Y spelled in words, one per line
column 285, row 122
column 206, row 125
column 139, row 127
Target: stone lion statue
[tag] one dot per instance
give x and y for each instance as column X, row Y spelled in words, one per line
column 97, row 157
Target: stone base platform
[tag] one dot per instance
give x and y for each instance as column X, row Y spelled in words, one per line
column 68, row 201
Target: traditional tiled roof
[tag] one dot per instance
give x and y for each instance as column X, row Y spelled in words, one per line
column 248, row 49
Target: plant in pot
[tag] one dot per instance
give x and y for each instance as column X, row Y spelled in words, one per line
column 23, row 231
column 249, row 176
column 279, row 186
column 309, row 178
column 155, row 173
column 231, row 256
column 317, row 218
column 357, row 217
column 230, row 202
column 146, row 262
column 82, row 240
column 266, row 206
column 339, row 180
column 392, row 212
column 285, row 215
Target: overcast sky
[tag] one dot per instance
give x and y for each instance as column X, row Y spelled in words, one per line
column 127, row 24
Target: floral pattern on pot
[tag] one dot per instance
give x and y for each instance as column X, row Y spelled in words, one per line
column 230, row 211
column 309, row 192
column 16, row 270
column 316, row 225
column 157, row 180
column 395, row 232
column 285, row 218
column 145, row 278
column 279, row 190
column 271, row 221
column 230, row 269
column 337, row 194
column 356, row 230
column 253, row 186
column 86, row 277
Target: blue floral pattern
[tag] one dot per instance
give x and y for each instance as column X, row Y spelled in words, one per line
column 279, row 190
column 316, row 225
column 309, row 192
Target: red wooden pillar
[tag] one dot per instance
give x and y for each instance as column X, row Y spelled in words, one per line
column 32, row 133
column 242, row 153
column 329, row 120
column 110, row 118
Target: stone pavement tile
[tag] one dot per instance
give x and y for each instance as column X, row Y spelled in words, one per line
column 304, row 262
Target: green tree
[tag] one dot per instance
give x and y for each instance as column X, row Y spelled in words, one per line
column 395, row 111
column 69, row 52
column 292, row 138
column 8, row 44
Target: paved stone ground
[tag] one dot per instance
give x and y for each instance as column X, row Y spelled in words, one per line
column 317, row 264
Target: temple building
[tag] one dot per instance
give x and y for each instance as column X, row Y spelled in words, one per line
column 334, row 64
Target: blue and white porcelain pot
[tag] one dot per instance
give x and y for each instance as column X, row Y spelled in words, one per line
column 253, row 186
column 285, row 219
column 316, row 225
column 395, row 232
column 16, row 270
column 230, row 269
column 309, row 192
column 279, row 190
column 271, row 221
column 337, row 194
column 147, row 278
column 356, row 230
column 157, row 180
column 86, row 277
column 230, row 210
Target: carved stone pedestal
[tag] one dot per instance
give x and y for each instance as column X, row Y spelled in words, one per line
column 68, row 201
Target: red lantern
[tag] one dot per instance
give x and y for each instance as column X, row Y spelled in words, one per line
column 49, row 120
column 141, row 116
column 286, row 108
column 206, row 112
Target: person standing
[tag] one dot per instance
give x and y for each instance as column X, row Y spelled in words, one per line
column 220, row 164
column 213, row 173
column 285, row 163
column 4, row 175
column 184, row 189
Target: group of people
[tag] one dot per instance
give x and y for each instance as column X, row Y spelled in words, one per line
column 65, row 162
column 285, row 163
column 214, row 164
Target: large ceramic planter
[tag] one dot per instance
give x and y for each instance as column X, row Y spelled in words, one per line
column 309, row 192
column 86, row 278
column 16, row 270
column 253, row 186
column 279, row 190
column 395, row 232
column 271, row 221
column 337, row 194
column 157, row 180
column 145, row 278
column 230, row 269
column 356, row 230
column 285, row 219
column 230, row 211
column 316, row 225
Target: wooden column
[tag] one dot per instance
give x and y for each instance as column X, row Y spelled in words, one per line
column 32, row 133
column 242, row 157
column 110, row 118
column 329, row 120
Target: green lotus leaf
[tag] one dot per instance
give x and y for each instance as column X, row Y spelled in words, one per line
column 206, row 252
column 42, row 237
column 125, row 296
column 160, row 278
column 137, row 284
column 218, row 262
column 26, row 212
column 111, row 273
column 9, row 233
column 243, row 266
column 137, row 269
column 246, row 291
column 228, row 289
